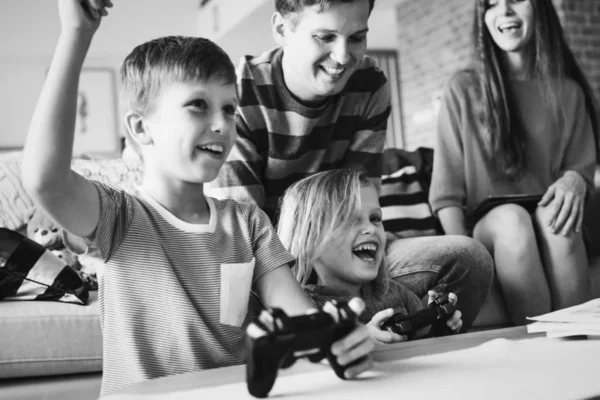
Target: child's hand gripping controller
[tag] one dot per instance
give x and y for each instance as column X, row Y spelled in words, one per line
column 276, row 341
column 436, row 314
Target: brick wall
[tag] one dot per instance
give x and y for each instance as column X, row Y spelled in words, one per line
column 581, row 21
column 434, row 41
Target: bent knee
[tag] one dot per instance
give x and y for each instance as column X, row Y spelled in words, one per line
column 472, row 255
column 506, row 223
column 507, row 218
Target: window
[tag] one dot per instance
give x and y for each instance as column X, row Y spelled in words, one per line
column 387, row 60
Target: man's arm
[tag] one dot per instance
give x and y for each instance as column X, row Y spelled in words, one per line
column 67, row 197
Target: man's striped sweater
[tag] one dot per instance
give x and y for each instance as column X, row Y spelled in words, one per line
column 281, row 141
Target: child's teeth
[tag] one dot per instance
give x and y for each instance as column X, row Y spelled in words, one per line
column 213, row 147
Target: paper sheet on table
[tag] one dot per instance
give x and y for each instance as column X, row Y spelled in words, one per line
column 499, row 369
column 588, row 313
column 564, row 327
column 557, row 334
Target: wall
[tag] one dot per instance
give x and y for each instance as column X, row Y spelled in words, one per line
column 582, row 27
column 433, row 42
column 250, row 36
column 29, row 31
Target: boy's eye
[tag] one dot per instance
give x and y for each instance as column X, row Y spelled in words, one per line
column 325, row 38
column 199, row 104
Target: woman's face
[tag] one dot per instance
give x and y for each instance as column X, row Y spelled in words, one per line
column 510, row 23
column 354, row 259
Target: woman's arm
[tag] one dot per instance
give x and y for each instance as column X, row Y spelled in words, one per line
column 447, row 191
column 453, row 221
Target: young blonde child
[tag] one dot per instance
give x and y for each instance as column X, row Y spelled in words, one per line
column 180, row 267
column 332, row 223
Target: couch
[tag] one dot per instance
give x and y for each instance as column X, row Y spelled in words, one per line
column 54, row 350
column 49, row 349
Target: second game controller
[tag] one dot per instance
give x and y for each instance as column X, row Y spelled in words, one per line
column 435, row 314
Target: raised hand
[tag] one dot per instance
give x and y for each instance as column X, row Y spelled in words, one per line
column 82, row 15
column 566, row 196
column 383, row 336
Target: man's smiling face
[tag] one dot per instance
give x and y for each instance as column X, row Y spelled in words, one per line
column 322, row 48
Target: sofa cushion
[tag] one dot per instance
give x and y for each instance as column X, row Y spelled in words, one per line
column 16, row 207
column 49, row 338
column 404, row 190
column 28, row 271
column 405, row 209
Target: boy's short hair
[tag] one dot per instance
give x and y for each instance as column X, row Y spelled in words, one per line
column 285, row 7
column 170, row 59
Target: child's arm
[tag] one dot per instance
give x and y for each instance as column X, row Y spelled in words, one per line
column 279, row 288
column 68, row 198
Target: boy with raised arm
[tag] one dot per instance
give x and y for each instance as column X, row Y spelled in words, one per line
column 180, row 267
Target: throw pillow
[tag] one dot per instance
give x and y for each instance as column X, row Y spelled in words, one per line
column 16, row 207
column 28, row 271
column 405, row 206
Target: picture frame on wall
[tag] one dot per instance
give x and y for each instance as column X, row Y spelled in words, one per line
column 96, row 127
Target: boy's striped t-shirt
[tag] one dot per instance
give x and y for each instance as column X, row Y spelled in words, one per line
column 175, row 297
column 281, row 140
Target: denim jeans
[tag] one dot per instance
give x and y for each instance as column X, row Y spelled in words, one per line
column 457, row 264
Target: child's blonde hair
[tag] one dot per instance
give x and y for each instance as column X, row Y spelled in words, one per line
column 315, row 212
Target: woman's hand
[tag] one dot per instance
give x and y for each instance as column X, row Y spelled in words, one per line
column 381, row 336
column 455, row 322
column 566, row 196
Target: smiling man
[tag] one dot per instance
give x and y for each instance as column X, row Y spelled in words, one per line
column 314, row 103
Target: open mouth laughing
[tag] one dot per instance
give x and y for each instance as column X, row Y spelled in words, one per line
column 366, row 251
column 509, row 27
column 213, row 149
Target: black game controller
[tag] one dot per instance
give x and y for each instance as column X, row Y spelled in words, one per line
column 436, row 314
column 276, row 341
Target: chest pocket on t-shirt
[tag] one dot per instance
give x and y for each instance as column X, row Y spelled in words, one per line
column 236, row 281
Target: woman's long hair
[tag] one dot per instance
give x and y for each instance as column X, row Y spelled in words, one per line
column 315, row 213
column 550, row 62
